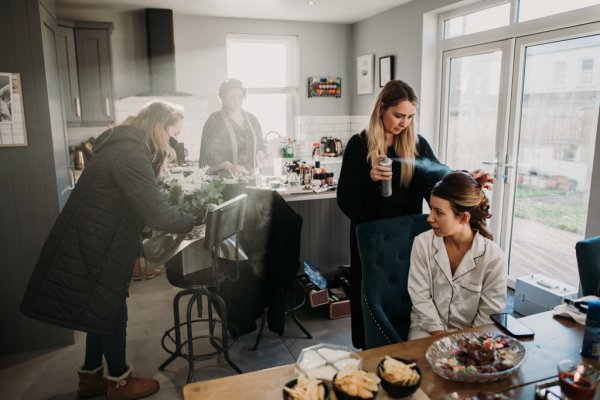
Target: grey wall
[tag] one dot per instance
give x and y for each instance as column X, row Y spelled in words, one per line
column 200, row 53
column 396, row 32
column 29, row 200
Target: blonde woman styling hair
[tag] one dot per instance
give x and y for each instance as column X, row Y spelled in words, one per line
column 413, row 173
column 392, row 125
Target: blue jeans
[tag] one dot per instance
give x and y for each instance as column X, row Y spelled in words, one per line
column 112, row 347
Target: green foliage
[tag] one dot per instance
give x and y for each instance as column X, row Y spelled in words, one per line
column 559, row 209
column 193, row 193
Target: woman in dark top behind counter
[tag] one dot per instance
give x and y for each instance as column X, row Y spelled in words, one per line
column 414, row 172
column 232, row 138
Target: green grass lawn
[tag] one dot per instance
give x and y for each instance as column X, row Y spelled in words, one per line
column 560, row 209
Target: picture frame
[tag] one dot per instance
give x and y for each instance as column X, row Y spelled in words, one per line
column 386, row 70
column 12, row 117
column 364, row 74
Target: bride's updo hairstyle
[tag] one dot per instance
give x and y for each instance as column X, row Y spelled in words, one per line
column 466, row 195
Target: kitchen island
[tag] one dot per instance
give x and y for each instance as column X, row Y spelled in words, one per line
column 325, row 238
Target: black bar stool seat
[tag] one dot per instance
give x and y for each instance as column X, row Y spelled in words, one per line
column 202, row 289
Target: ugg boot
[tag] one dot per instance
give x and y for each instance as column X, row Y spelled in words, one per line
column 126, row 387
column 91, row 383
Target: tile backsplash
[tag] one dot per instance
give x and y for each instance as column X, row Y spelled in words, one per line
column 196, row 113
column 310, row 128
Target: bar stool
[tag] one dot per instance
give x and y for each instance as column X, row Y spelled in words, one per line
column 223, row 223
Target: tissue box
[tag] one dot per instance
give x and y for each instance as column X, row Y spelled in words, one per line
column 339, row 309
column 316, row 297
column 538, row 293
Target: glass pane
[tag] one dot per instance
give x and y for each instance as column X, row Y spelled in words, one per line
column 257, row 63
column 270, row 110
column 478, row 21
column 532, row 9
column 473, row 110
column 559, row 118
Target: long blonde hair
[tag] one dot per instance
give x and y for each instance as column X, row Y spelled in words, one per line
column 405, row 144
column 153, row 120
column 465, row 194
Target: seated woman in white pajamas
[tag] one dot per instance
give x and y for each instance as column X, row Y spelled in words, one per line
column 457, row 276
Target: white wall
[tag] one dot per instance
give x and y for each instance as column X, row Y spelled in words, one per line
column 397, row 32
column 200, row 53
column 201, row 56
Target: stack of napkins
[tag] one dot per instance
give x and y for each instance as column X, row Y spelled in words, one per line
column 570, row 311
column 325, row 360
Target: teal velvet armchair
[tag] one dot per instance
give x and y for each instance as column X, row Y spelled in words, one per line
column 384, row 247
column 588, row 263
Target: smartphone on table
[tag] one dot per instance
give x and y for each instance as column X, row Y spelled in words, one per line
column 513, row 326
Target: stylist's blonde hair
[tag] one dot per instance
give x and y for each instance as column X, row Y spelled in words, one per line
column 405, row 144
column 153, row 120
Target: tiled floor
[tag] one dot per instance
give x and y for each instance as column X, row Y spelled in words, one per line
column 51, row 374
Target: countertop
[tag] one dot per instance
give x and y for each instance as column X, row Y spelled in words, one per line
column 305, row 195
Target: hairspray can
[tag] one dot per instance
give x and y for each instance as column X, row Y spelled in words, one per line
column 386, row 186
column 591, row 335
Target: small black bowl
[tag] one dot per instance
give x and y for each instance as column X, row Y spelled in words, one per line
column 293, row 383
column 341, row 395
column 396, row 390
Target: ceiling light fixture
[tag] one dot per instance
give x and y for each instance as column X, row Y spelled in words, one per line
column 311, row 3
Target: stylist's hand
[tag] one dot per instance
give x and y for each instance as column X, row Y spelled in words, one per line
column 484, row 178
column 379, row 173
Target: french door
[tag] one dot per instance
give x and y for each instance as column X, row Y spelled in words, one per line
column 526, row 109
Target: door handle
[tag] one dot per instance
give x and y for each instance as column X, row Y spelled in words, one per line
column 493, row 163
column 77, row 107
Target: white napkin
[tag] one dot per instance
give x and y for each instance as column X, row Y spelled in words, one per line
column 567, row 310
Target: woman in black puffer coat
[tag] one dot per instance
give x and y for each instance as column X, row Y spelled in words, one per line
column 82, row 275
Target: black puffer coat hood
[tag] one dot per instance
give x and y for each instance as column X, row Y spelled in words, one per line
column 82, row 275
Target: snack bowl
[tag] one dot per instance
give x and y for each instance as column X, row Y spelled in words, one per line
column 293, row 382
column 341, row 395
column 442, row 351
column 398, row 390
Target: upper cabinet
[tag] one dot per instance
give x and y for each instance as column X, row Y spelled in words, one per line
column 83, row 51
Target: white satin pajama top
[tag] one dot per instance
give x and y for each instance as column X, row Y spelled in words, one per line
column 442, row 301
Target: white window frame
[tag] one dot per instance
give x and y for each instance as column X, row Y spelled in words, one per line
column 568, row 19
column 574, row 20
column 291, row 89
column 473, row 8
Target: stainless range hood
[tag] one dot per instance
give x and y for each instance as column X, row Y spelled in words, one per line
column 161, row 53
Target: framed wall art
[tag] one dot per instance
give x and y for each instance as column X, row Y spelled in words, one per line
column 386, row 70
column 12, row 118
column 364, row 74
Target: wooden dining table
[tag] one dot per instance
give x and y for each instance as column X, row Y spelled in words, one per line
column 555, row 339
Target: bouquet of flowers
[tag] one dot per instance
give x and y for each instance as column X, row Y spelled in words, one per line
column 192, row 192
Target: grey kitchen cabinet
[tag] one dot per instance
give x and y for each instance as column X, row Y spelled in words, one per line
column 86, row 73
column 67, row 76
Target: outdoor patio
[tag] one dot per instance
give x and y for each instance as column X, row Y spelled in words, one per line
column 538, row 248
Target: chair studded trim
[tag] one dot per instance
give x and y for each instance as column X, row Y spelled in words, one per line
column 387, row 338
